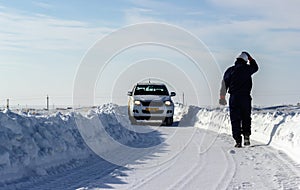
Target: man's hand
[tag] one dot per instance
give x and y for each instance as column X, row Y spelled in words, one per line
column 222, row 101
column 249, row 56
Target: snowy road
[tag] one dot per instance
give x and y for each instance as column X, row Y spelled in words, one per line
column 220, row 167
column 183, row 163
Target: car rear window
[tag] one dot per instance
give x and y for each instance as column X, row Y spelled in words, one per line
column 151, row 90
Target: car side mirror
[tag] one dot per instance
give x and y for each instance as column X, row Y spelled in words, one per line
column 173, row 93
column 129, row 93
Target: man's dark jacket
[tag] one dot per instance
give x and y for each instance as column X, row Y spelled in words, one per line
column 238, row 78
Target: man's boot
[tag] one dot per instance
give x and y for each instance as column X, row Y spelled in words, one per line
column 247, row 140
column 238, row 145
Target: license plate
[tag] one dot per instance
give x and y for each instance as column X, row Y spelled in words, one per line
column 152, row 109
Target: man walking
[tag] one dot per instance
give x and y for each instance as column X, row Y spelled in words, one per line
column 238, row 82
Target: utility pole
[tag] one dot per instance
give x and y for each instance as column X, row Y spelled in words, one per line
column 183, row 98
column 47, row 103
column 7, row 103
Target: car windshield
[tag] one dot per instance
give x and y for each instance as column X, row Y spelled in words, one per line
column 151, row 90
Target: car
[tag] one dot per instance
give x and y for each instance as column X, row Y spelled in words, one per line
column 151, row 101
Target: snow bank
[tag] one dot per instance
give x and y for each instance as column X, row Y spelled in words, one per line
column 275, row 126
column 32, row 144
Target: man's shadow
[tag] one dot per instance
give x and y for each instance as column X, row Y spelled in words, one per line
column 275, row 127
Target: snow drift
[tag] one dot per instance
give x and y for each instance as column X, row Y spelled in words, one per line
column 33, row 144
column 277, row 126
column 30, row 144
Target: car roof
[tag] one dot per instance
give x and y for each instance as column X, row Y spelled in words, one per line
column 147, row 83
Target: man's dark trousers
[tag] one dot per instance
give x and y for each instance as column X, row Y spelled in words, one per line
column 240, row 115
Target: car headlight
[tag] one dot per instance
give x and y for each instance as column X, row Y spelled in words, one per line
column 137, row 102
column 168, row 103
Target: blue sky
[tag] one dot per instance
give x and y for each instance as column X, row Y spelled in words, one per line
column 43, row 42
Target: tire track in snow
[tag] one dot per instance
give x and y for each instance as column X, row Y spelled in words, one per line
column 160, row 170
column 242, row 159
column 200, row 176
column 150, row 176
column 185, row 178
column 229, row 170
column 229, row 173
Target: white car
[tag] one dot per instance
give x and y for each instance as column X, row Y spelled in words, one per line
column 151, row 101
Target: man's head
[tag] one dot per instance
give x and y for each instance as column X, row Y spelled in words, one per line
column 243, row 56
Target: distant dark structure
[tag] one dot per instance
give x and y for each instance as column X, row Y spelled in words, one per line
column 7, row 103
column 47, row 103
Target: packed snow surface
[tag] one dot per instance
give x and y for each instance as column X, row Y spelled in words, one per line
column 47, row 151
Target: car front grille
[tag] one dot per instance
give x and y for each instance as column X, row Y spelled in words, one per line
column 153, row 103
column 153, row 112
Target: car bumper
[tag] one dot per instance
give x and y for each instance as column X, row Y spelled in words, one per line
column 152, row 113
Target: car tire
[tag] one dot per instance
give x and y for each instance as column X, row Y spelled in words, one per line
column 132, row 120
column 168, row 121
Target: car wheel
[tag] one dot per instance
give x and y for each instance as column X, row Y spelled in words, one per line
column 132, row 120
column 168, row 121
